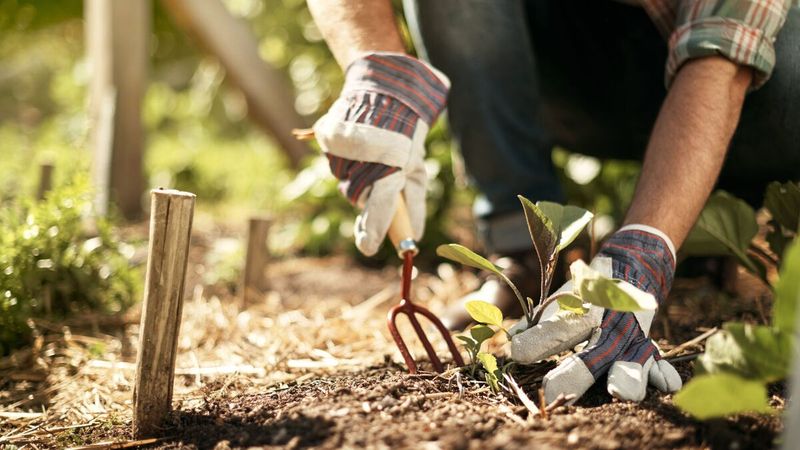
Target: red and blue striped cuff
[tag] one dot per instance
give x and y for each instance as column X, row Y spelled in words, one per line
column 356, row 176
column 400, row 77
column 643, row 259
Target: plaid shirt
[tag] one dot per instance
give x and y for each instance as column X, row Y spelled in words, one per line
column 741, row 30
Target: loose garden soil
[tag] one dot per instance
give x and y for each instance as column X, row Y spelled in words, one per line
column 312, row 366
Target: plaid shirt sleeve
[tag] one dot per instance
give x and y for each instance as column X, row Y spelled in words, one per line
column 741, row 30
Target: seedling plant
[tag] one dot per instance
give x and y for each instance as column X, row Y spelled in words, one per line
column 552, row 228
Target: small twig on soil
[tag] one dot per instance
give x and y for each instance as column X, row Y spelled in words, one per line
column 543, row 409
column 675, row 351
column 686, row 357
column 436, row 395
column 37, row 431
column 764, row 254
column 110, row 445
column 523, row 397
column 560, row 401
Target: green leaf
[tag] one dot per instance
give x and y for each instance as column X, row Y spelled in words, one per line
column 483, row 312
column 723, row 354
column 750, row 351
column 725, row 227
column 468, row 341
column 463, row 255
column 489, row 363
column 783, row 202
column 571, row 302
column 777, row 238
column 598, row 290
column 722, row 394
column 568, row 221
column 767, row 350
column 481, row 333
column 545, row 242
column 787, row 291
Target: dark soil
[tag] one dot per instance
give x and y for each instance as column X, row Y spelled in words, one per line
column 383, row 408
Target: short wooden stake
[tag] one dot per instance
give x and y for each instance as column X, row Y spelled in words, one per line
column 254, row 282
column 45, row 180
column 170, row 230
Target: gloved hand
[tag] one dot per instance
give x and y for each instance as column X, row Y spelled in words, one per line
column 618, row 343
column 374, row 136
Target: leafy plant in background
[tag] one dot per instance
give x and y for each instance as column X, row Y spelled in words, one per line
column 742, row 359
column 782, row 200
column 727, row 226
column 51, row 267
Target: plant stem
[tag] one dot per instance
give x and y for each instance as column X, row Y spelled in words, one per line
column 522, row 302
column 541, row 309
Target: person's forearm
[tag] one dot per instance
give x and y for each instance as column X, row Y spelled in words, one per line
column 688, row 145
column 352, row 27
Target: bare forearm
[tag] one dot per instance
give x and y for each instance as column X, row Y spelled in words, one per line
column 688, row 145
column 351, row 27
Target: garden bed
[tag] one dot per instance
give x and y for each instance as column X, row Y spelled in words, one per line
column 312, row 365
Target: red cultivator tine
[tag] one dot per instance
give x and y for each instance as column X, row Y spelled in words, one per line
column 410, row 309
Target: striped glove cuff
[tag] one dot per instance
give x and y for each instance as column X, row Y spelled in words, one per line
column 378, row 77
column 643, row 256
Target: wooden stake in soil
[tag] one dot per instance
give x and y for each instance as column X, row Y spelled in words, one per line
column 254, row 282
column 171, row 215
column 45, row 180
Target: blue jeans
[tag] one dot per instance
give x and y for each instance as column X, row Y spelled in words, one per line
column 586, row 75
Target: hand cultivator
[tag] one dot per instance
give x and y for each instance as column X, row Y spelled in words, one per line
column 401, row 235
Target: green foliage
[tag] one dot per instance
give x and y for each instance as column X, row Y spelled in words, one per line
column 598, row 290
column 51, row 267
column 463, row 255
column 742, row 358
column 553, row 227
column 492, row 372
column 722, row 394
column 787, row 291
column 726, row 226
column 567, row 221
column 544, row 236
column 783, row 203
column 486, row 313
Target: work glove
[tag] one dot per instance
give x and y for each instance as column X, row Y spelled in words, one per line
column 374, row 138
column 618, row 343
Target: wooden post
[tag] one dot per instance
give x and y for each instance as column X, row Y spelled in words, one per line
column 269, row 96
column 170, row 230
column 254, row 282
column 117, row 35
column 45, row 180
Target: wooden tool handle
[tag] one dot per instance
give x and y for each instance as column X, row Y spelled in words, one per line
column 400, row 228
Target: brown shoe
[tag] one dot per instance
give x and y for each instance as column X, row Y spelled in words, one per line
column 521, row 268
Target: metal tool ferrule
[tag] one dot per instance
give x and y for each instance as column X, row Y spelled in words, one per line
column 407, row 245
